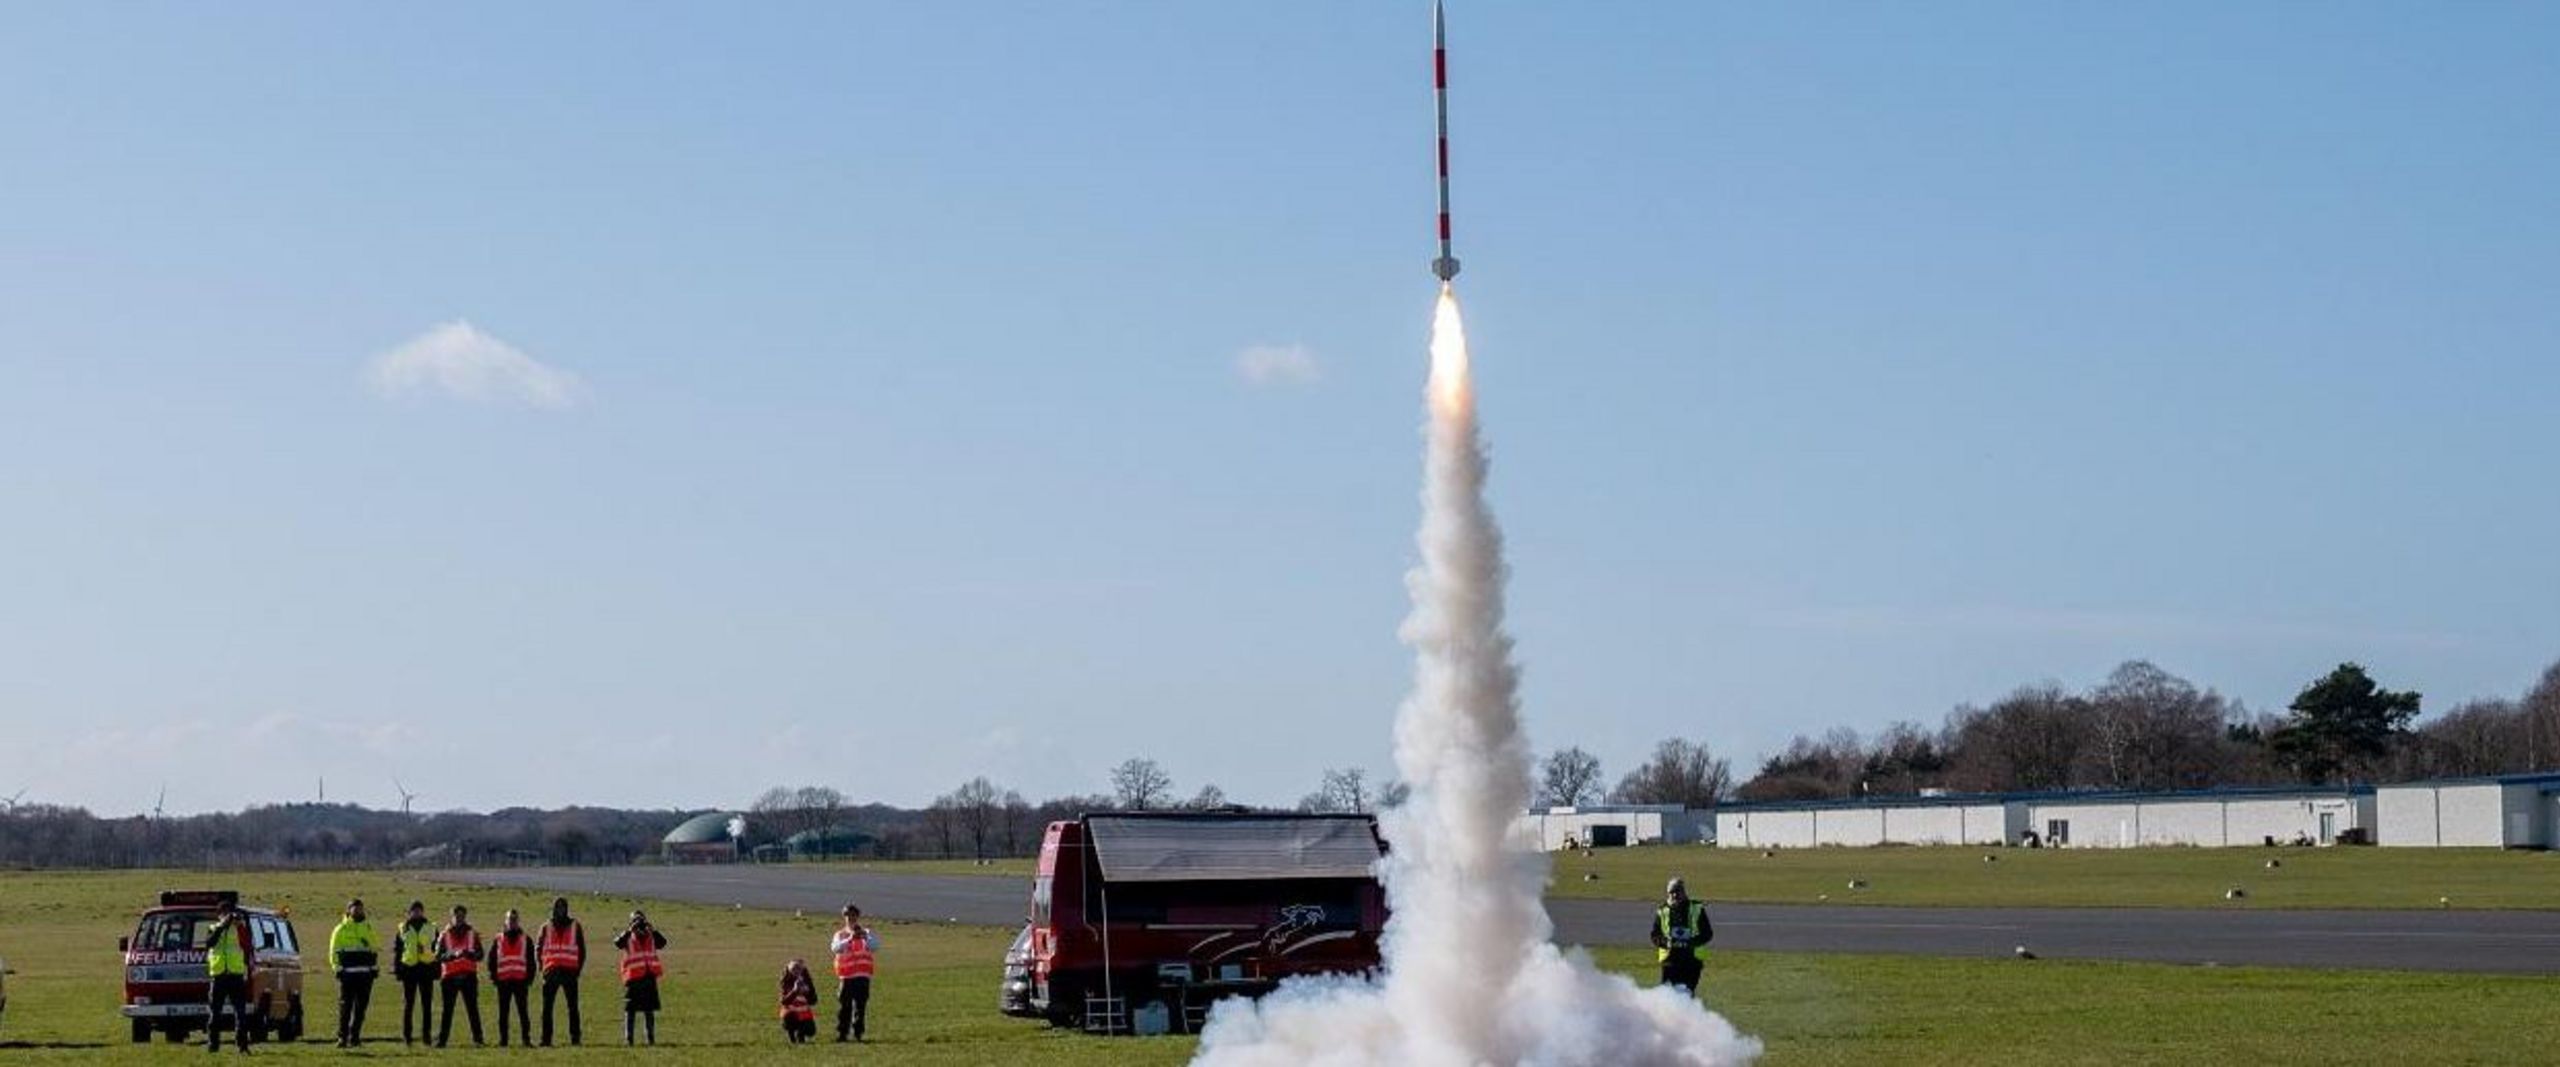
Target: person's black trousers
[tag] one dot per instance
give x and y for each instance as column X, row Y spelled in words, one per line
column 355, row 993
column 1683, row 972
column 557, row 983
column 466, row 987
column 232, row 989
column 853, row 1006
column 519, row 994
column 418, row 998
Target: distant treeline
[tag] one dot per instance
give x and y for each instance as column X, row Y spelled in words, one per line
column 2146, row 729
column 327, row 835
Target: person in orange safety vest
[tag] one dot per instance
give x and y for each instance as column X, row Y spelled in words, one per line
column 641, row 969
column 458, row 952
column 799, row 1003
column 852, row 946
column 511, row 971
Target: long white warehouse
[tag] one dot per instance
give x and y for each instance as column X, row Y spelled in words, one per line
column 2205, row 818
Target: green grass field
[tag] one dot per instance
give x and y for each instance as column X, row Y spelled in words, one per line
column 936, row 999
column 2145, row 878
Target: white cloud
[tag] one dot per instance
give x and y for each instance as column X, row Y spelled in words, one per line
column 458, row 360
column 1270, row 366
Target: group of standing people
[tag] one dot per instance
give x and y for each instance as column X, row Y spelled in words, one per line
column 427, row 958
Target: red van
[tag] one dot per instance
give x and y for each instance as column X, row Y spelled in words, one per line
column 165, row 988
column 1139, row 920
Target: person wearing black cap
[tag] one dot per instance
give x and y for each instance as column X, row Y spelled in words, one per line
column 1679, row 926
column 562, row 948
column 354, row 954
column 414, row 962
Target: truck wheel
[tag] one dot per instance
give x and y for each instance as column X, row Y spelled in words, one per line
column 141, row 1032
column 1066, row 1005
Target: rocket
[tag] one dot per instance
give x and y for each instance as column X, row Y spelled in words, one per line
column 1445, row 267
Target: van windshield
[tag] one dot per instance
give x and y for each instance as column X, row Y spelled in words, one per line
column 172, row 931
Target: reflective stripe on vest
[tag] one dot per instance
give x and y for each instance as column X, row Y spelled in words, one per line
column 560, row 948
column 1679, row 936
column 640, row 956
column 853, row 958
column 224, row 955
column 460, row 964
column 511, row 964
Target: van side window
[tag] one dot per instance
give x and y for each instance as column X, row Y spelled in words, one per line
column 284, row 937
column 266, row 931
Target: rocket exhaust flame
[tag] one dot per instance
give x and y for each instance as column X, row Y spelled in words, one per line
column 1450, row 388
column 1470, row 975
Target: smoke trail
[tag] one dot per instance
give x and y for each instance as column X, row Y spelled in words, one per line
column 1470, row 975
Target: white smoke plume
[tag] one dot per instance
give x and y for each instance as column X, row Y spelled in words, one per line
column 1471, row 977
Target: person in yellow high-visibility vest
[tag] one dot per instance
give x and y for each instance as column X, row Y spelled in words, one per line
column 228, row 955
column 1680, row 926
column 413, row 954
column 354, row 953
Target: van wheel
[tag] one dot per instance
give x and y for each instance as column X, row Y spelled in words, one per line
column 1066, row 1005
column 291, row 1031
column 141, row 1032
column 177, row 1035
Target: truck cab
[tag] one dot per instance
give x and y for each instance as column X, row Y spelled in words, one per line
column 165, row 987
column 1140, row 920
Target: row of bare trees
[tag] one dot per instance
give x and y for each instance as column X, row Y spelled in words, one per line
column 2144, row 728
column 327, row 835
column 1679, row 771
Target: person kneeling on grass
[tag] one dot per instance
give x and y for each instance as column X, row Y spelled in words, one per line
column 799, row 1003
column 640, row 945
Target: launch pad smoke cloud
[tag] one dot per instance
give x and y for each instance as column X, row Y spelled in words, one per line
column 1470, row 976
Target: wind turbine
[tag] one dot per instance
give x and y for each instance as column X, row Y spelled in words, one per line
column 405, row 795
column 11, row 804
column 157, row 803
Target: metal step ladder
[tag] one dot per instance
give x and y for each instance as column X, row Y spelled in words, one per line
column 1106, row 1015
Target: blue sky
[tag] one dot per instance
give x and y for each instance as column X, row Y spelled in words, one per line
column 886, row 394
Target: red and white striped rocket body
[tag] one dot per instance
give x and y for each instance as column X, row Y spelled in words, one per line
column 1445, row 267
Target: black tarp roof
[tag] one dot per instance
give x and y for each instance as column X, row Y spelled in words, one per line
column 1176, row 848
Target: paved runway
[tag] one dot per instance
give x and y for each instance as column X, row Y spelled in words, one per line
column 2487, row 941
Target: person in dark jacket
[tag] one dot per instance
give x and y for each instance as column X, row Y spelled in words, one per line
column 511, row 966
column 230, row 957
column 413, row 962
column 640, row 944
column 458, row 953
column 562, row 945
column 1679, row 926
column 799, row 1003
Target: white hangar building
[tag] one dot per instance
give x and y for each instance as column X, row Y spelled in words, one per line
column 2514, row 811
column 1611, row 826
column 2070, row 819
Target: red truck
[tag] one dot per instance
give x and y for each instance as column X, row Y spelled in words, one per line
column 165, row 988
column 1139, row 920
